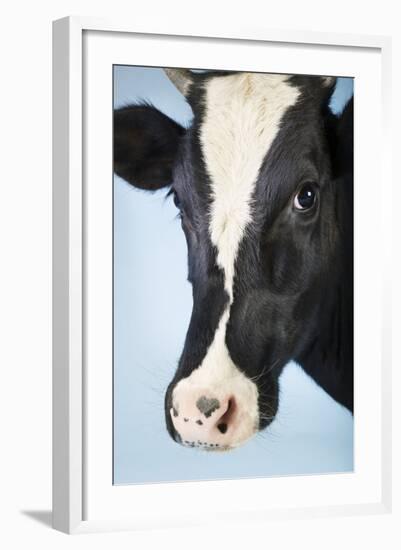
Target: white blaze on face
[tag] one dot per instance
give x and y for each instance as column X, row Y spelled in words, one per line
column 242, row 118
column 243, row 115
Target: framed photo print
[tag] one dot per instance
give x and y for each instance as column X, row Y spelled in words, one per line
column 219, row 342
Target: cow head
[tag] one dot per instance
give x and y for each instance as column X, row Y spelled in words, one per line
column 257, row 184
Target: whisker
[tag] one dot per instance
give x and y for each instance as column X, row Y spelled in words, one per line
column 272, row 367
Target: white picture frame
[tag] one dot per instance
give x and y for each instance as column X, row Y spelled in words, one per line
column 83, row 497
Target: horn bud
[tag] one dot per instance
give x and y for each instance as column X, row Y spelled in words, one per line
column 181, row 78
column 328, row 80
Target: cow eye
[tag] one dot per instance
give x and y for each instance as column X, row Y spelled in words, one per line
column 306, row 197
column 176, row 200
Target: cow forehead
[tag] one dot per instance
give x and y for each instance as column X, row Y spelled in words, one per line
column 242, row 117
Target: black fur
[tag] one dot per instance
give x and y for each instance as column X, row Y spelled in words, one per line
column 145, row 145
column 293, row 287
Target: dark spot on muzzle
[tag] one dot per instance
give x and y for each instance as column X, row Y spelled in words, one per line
column 207, row 406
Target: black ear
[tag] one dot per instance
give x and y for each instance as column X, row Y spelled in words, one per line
column 145, row 146
column 342, row 141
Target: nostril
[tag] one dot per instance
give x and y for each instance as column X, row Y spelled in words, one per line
column 222, row 427
column 225, row 420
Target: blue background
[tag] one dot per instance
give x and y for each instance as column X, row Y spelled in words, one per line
column 152, row 308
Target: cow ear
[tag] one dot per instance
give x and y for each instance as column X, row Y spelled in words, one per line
column 145, row 146
column 342, row 141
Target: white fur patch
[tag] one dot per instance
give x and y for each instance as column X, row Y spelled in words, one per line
column 243, row 114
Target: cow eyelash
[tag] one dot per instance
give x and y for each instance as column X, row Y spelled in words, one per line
column 181, row 215
column 177, row 203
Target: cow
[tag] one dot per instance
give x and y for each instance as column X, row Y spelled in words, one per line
column 263, row 183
